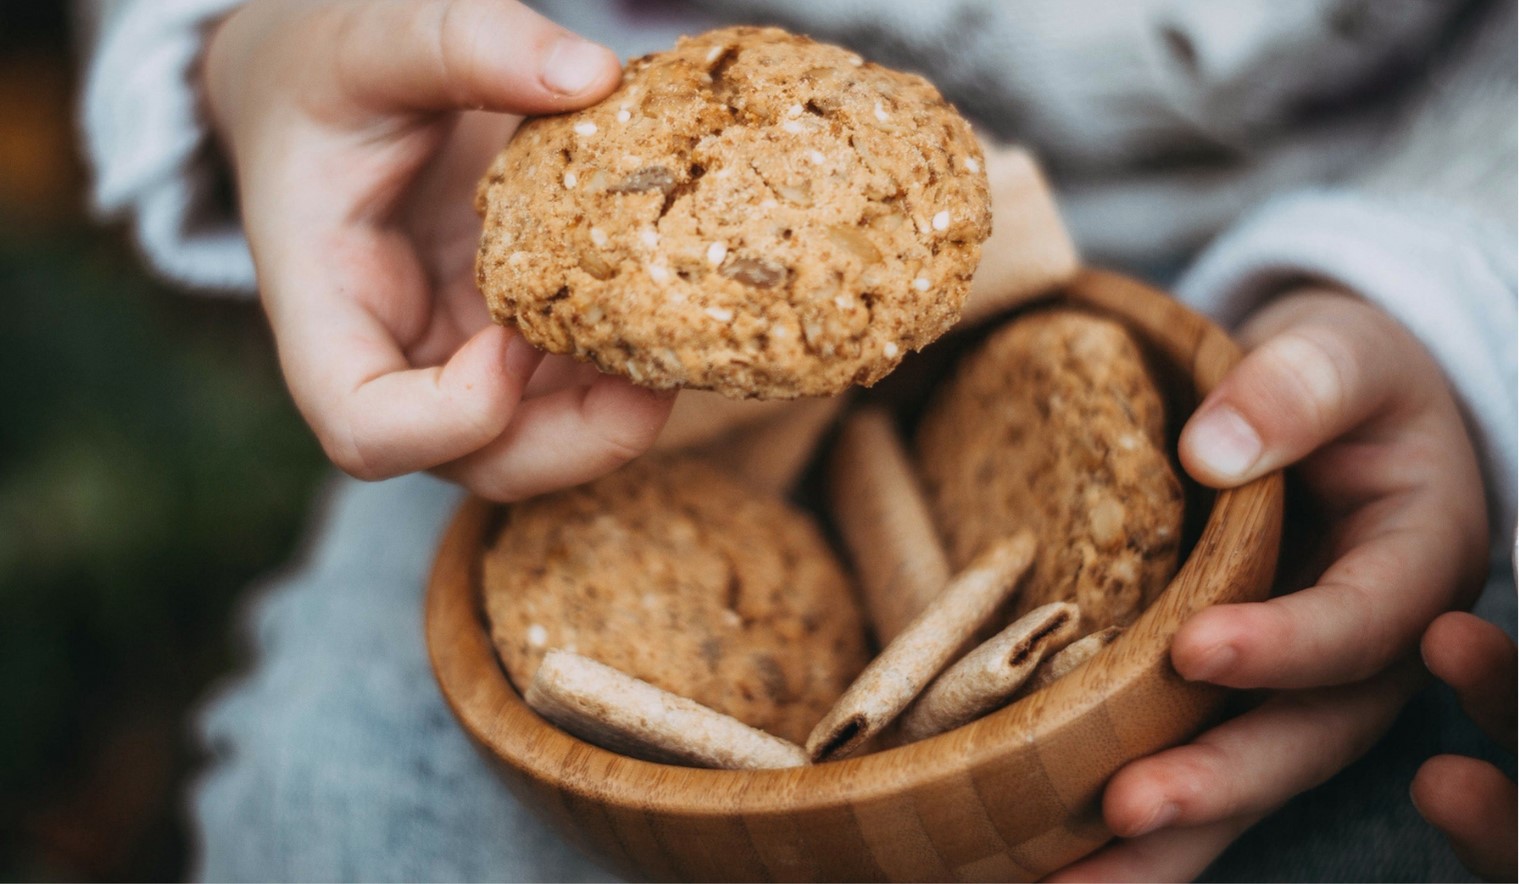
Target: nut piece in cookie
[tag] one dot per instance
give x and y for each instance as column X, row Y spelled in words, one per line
column 676, row 574
column 1054, row 425
column 751, row 212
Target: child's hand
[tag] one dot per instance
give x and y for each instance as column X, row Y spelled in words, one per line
column 1347, row 395
column 1471, row 801
column 356, row 166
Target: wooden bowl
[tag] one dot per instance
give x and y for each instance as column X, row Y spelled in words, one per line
column 1012, row 796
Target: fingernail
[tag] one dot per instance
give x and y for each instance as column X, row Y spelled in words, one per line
column 1214, row 662
column 573, row 64
column 1162, row 817
column 1224, row 442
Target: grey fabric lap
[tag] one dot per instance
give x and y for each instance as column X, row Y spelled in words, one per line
column 334, row 757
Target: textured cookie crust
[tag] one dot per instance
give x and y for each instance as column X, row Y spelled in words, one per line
column 1055, row 425
column 751, row 212
column 676, row 574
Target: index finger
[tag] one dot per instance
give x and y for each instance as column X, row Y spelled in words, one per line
column 1402, row 567
column 342, row 327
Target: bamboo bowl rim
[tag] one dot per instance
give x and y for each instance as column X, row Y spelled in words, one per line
column 493, row 713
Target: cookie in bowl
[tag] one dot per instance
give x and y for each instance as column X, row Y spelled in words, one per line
column 1011, row 795
column 1055, row 424
column 672, row 572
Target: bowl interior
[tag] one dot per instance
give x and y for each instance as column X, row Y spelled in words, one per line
column 1012, row 795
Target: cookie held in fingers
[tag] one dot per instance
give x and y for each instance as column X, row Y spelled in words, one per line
column 752, row 213
column 1054, row 425
column 675, row 573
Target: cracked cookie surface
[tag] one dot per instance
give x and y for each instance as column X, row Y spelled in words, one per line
column 675, row 573
column 751, row 212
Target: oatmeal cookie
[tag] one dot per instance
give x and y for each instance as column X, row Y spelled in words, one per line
column 672, row 572
column 751, row 212
column 1054, row 424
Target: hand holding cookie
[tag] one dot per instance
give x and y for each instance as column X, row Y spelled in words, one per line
column 351, row 131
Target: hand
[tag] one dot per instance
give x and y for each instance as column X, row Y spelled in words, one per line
column 357, row 130
column 1345, row 395
column 1471, row 801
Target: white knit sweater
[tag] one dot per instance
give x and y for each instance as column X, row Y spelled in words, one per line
column 1368, row 143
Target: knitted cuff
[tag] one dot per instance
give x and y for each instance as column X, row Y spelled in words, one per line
column 147, row 138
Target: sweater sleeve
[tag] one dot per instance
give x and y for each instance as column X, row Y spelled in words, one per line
column 148, row 145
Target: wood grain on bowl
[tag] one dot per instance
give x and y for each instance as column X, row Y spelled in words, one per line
column 1011, row 796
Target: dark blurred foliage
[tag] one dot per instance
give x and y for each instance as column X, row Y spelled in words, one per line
column 151, row 468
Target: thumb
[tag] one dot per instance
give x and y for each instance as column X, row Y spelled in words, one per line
column 1320, row 367
column 497, row 55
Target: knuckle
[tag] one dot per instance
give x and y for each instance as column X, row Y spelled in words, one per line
column 1286, row 650
column 343, row 27
column 477, row 416
column 1306, row 374
column 461, row 28
column 446, row 35
column 620, row 434
column 1200, row 782
column 493, row 488
column 622, row 444
column 346, row 453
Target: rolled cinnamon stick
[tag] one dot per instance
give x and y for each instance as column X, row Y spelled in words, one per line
column 906, row 665
column 885, row 523
column 614, row 710
column 990, row 675
column 1069, row 657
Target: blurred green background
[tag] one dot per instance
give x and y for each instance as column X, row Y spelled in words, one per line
column 151, row 469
